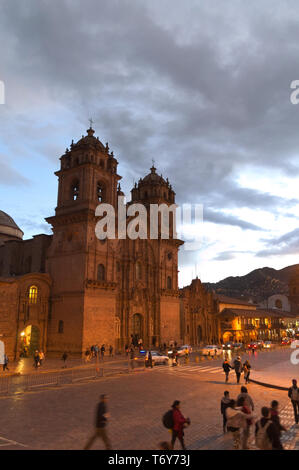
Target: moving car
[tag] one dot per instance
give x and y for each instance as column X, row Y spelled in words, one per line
column 286, row 341
column 211, row 350
column 267, row 344
column 157, row 358
column 181, row 350
column 252, row 345
column 227, row 346
column 237, row 346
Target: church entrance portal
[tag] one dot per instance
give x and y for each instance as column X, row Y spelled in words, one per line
column 30, row 341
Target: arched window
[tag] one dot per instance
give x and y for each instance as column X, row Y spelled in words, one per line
column 278, row 303
column 138, row 270
column 32, row 294
column 100, row 192
column 75, row 191
column 60, row 326
column 169, row 282
column 101, row 272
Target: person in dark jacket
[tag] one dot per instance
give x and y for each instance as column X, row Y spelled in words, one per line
column 150, row 359
column 238, row 368
column 64, row 358
column 100, row 424
column 293, row 394
column 226, row 367
column 275, row 416
column 36, row 359
column 272, row 431
column 225, row 401
column 179, row 423
column 5, row 363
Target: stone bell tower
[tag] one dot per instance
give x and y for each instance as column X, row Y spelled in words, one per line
column 80, row 264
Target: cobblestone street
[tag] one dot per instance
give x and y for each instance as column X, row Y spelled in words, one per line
column 62, row 418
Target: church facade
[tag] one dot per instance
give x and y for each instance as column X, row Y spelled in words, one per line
column 69, row 290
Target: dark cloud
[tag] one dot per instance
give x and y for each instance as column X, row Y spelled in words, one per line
column 226, row 219
column 202, row 90
column 287, row 244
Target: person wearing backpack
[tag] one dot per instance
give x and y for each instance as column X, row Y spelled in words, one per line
column 267, row 433
column 179, row 423
column 226, row 367
column 225, row 401
column 293, row 394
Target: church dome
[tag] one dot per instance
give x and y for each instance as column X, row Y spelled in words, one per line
column 8, row 228
column 153, row 178
column 153, row 188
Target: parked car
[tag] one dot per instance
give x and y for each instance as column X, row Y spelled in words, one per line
column 211, row 350
column 157, row 358
column 268, row 344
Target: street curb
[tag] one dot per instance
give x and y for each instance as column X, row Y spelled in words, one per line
column 263, row 384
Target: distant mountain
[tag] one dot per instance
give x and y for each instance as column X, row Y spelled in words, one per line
column 257, row 285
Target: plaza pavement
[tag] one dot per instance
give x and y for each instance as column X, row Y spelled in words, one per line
column 62, row 418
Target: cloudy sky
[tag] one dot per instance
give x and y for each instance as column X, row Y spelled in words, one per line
column 202, row 89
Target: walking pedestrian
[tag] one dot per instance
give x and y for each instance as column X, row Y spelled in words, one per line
column 150, row 359
column 275, row 417
column 179, row 423
column 246, row 370
column 186, row 355
column 246, row 430
column 226, row 367
column 236, row 420
column 267, row 433
column 111, row 350
column 102, row 416
column 225, row 401
column 103, row 351
column 41, row 357
column 238, row 368
column 87, row 355
column 293, row 394
column 127, row 350
column 174, row 358
column 64, row 358
column 36, row 359
column 247, row 397
column 5, row 363
column 132, row 355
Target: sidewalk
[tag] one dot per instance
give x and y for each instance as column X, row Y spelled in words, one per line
column 25, row 366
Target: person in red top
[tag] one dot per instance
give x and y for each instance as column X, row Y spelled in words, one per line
column 179, row 422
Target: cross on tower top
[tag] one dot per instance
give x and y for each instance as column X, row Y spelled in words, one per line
column 91, row 122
